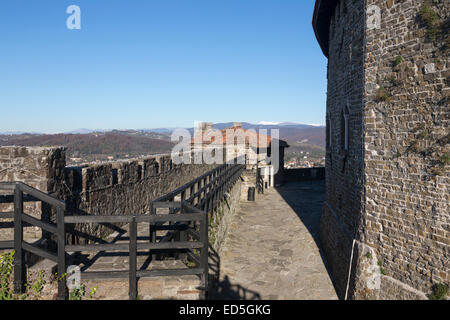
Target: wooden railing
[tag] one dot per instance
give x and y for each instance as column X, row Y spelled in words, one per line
column 188, row 215
column 20, row 246
column 259, row 182
column 188, row 218
column 205, row 191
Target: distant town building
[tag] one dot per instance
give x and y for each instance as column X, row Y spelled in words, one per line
column 237, row 141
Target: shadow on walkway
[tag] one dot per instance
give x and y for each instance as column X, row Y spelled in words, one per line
column 224, row 289
column 306, row 198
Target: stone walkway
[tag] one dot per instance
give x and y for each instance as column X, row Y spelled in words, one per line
column 271, row 250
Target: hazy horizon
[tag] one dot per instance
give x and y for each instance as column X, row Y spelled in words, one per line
column 88, row 130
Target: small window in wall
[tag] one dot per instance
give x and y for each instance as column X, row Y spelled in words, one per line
column 345, row 130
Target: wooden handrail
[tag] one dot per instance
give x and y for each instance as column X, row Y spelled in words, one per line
column 177, row 191
column 22, row 193
column 210, row 188
column 196, row 216
column 41, row 195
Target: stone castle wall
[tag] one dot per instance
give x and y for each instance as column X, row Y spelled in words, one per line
column 125, row 187
column 38, row 167
column 385, row 227
column 222, row 216
column 304, row 174
column 344, row 169
column 117, row 188
column 407, row 217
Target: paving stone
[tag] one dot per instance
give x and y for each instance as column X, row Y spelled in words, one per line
column 271, row 251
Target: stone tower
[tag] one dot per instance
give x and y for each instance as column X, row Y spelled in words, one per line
column 385, row 229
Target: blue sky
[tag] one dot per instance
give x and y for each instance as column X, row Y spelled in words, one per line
column 158, row 63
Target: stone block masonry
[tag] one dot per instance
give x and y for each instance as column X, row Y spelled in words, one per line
column 41, row 168
column 344, row 168
column 406, row 139
column 126, row 187
column 118, row 188
column 180, row 287
column 304, row 174
column 220, row 221
column 385, row 226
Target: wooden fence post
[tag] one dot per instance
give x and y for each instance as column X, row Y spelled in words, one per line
column 19, row 256
column 152, row 229
column 133, row 259
column 183, row 234
column 204, row 254
column 62, row 288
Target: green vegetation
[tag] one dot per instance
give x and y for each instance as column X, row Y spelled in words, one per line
column 445, row 159
column 434, row 150
column 431, row 20
column 397, row 61
column 214, row 222
column 92, row 293
column 440, row 291
column 424, row 134
column 382, row 95
column 39, row 284
column 34, row 290
column 438, row 169
column 77, row 293
column 6, row 265
column 394, row 82
column 380, row 265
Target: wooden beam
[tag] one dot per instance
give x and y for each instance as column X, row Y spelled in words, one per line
column 39, row 252
column 41, row 195
column 38, row 223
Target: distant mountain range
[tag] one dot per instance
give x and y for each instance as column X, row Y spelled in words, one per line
column 220, row 126
column 97, row 144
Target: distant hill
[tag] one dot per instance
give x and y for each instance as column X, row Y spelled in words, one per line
column 265, row 125
column 314, row 136
column 99, row 145
column 94, row 145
